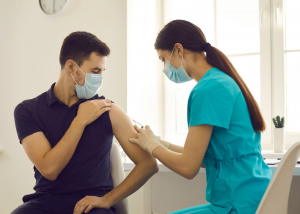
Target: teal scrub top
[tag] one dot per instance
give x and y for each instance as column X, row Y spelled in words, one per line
column 236, row 173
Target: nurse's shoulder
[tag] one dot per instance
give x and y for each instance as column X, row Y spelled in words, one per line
column 215, row 81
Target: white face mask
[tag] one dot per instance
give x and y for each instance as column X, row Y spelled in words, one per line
column 91, row 87
column 176, row 75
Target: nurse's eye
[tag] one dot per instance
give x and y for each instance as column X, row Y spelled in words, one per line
column 162, row 60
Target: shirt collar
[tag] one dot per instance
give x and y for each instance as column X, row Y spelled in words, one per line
column 51, row 98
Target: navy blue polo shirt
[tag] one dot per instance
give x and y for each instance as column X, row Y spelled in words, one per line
column 89, row 167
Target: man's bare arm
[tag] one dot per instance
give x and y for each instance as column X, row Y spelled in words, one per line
column 51, row 161
column 146, row 165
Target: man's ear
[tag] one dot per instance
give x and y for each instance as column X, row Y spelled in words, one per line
column 69, row 66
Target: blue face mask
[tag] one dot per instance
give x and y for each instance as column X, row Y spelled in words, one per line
column 176, row 75
column 91, row 87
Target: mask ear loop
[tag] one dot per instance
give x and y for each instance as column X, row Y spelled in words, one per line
column 73, row 79
column 72, row 75
column 80, row 69
column 182, row 60
column 171, row 54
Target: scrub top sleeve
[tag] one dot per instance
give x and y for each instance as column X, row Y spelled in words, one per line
column 212, row 105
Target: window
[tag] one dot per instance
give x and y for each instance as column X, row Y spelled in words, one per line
column 292, row 65
column 288, row 14
column 144, row 80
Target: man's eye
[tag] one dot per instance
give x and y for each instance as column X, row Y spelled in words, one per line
column 162, row 60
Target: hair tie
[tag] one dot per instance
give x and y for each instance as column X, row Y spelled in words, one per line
column 204, row 47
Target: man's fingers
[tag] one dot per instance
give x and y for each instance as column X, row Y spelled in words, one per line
column 102, row 103
column 104, row 110
column 76, row 207
column 132, row 140
column 109, row 102
column 82, row 208
column 88, row 209
column 147, row 127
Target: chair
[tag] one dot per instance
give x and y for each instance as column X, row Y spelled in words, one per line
column 276, row 197
column 118, row 175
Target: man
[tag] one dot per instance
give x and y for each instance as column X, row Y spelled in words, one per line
column 67, row 133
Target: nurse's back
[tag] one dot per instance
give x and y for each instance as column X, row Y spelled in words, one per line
column 237, row 176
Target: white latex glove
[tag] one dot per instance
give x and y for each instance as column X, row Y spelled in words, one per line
column 146, row 139
column 164, row 143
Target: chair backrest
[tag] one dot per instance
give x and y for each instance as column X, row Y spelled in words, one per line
column 276, row 197
column 118, row 175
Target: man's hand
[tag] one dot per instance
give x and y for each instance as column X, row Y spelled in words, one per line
column 89, row 202
column 92, row 109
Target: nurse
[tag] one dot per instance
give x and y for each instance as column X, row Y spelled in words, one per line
column 224, row 122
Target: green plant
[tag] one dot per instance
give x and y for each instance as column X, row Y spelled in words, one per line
column 279, row 123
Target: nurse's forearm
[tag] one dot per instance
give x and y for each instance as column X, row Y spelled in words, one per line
column 179, row 149
column 172, row 160
column 175, row 148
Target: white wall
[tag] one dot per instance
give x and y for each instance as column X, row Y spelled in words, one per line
column 30, row 43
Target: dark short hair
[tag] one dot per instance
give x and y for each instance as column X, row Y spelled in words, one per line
column 79, row 45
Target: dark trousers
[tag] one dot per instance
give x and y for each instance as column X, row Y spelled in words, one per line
column 50, row 203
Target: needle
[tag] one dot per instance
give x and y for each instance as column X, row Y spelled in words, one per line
column 138, row 123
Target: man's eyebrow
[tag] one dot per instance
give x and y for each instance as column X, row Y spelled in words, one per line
column 96, row 68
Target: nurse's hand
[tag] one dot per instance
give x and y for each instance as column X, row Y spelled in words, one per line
column 146, row 139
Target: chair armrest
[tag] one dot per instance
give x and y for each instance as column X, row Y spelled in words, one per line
column 118, row 175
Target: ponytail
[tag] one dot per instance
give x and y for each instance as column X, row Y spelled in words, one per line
column 217, row 59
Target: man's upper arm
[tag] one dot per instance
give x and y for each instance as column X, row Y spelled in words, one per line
column 123, row 130
column 31, row 137
column 36, row 147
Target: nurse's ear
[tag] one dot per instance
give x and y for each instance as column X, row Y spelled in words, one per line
column 179, row 49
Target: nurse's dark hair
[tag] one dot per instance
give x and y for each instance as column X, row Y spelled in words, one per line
column 79, row 45
column 192, row 38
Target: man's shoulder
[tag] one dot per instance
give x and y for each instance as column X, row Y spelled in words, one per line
column 32, row 102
